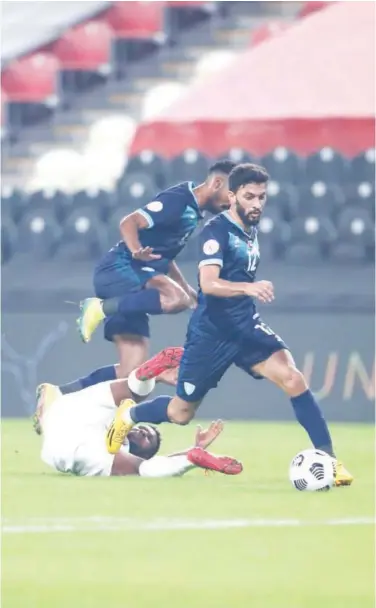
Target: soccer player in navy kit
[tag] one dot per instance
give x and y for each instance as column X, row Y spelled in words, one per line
column 226, row 328
column 139, row 277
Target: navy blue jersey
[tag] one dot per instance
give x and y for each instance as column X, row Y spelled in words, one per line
column 172, row 217
column 223, row 242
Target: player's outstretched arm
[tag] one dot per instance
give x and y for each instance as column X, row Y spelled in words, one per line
column 204, row 438
column 178, row 464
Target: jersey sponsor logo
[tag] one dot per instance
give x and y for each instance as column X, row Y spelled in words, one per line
column 211, row 247
column 147, row 269
column 155, row 206
column 189, row 388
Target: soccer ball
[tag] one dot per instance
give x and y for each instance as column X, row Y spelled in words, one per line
column 312, row 471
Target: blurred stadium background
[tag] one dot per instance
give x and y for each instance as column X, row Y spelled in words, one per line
column 105, row 103
column 102, row 105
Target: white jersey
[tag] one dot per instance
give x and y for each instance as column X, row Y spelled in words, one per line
column 74, row 431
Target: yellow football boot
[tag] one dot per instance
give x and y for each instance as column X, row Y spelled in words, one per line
column 343, row 477
column 119, row 428
column 91, row 316
column 46, row 394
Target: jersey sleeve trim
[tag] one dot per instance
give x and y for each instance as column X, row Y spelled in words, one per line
column 211, row 262
column 148, row 217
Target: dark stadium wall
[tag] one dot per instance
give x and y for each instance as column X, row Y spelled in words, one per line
column 336, row 351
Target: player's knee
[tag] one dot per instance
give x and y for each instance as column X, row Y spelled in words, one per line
column 174, row 301
column 293, row 381
column 179, row 414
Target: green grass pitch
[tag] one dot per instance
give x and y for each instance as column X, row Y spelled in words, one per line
column 115, row 544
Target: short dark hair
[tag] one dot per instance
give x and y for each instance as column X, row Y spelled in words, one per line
column 146, row 454
column 224, row 166
column 247, row 173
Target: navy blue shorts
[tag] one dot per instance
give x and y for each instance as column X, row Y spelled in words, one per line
column 208, row 356
column 116, row 277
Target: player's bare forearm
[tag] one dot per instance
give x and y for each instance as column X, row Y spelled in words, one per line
column 129, row 229
column 225, row 289
column 213, row 285
column 176, row 275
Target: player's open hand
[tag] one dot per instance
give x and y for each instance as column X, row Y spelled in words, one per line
column 261, row 290
column 205, row 437
column 145, row 254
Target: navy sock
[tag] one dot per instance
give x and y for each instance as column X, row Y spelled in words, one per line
column 308, row 413
column 153, row 411
column 103, row 374
column 143, row 301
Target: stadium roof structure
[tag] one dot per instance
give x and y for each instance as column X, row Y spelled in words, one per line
column 309, row 87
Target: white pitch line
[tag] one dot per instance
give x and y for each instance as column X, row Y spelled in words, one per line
column 103, row 524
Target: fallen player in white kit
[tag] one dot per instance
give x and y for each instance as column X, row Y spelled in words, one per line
column 74, row 429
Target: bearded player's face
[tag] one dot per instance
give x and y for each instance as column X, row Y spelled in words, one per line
column 249, row 202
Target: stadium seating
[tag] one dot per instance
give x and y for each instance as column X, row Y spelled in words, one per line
column 100, row 202
column 190, row 166
column 112, row 224
column 362, row 167
column 327, row 166
column 274, row 234
column 33, row 79
column 320, row 199
column 310, row 240
column 83, row 236
column 136, row 190
column 86, row 48
column 13, row 203
column 237, row 155
column 9, row 240
column 303, row 219
column 39, row 233
column 154, row 166
column 355, row 236
column 50, row 201
column 137, row 20
column 283, row 165
column 138, row 28
column 309, row 197
column 285, row 197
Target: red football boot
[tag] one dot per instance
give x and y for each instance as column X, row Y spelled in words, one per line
column 168, row 358
column 221, row 464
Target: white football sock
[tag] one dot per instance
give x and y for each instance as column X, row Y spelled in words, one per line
column 165, row 466
column 140, row 387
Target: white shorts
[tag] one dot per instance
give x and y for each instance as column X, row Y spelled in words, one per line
column 74, row 432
